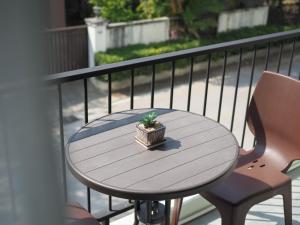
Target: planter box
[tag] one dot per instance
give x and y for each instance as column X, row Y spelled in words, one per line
column 235, row 19
column 150, row 137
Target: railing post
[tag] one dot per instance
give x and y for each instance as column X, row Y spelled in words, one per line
column 152, row 86
column 190, row 84
column 62, row 141
column 132, row 89
column 172, row 84
column 236, row 88
column 279, row 57
column 86, row 120
column 249, row 94
column 222, row 85
column 109, row 93
column 86, row 113
column 267, row 56
column 291, row 58
column 206, row 84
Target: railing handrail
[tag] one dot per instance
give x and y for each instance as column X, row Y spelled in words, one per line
column 62, row 29
column 167, row 57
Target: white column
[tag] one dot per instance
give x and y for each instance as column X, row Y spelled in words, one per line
column 97, row 37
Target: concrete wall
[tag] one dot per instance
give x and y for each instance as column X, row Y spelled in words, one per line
column 103, row 35
column 138, row 32
column 231, row 20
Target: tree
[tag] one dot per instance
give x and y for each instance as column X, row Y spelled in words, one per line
column 201, row 17
column 153, row 8
column 127, row 10
column 177, row 6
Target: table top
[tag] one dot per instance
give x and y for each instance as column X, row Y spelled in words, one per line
column 197, row 154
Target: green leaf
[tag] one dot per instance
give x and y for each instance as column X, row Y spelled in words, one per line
column 149, row 119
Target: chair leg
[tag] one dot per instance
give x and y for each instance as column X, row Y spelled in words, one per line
column 176, row 211
column 287, row 205
column 233, row 216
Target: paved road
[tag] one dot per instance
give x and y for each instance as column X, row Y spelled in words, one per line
column 74, row 113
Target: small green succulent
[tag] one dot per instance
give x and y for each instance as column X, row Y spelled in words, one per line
column 149, row 120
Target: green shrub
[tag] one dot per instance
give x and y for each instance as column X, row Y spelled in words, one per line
column 128, row 10
column 142, row 50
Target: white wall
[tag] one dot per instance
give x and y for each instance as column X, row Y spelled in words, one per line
column 138, row 32
column 103, row 35
column 231, row 20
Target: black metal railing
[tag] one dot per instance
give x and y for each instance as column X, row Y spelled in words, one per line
column 249, row 46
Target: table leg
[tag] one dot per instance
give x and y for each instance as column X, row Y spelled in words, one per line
column 136, row 208
column 153, row 212
column 149, row 211
column 176, row 211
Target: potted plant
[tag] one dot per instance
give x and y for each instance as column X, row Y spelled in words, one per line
column 150, row 133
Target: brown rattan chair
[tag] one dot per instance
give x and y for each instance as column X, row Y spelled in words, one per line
column 274, row 118
column 77, row 215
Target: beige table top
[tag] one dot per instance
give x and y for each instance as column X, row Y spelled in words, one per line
column 197, row 154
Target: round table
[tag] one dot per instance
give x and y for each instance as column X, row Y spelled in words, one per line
column 198, row 153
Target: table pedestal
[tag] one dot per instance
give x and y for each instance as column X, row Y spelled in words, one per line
column 152, row 212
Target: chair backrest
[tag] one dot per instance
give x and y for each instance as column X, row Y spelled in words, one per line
column 274, row 118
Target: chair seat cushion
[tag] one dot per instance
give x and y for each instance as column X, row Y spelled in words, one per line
column 250, row 178
column 77, row 215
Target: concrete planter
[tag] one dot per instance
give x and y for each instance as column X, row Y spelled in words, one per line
column 150, row 137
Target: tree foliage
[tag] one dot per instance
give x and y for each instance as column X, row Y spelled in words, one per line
column 201, row 17
column 153, row 8
column 127, row 10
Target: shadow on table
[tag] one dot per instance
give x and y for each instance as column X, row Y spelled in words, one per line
column 110, row 124
column 169, row 145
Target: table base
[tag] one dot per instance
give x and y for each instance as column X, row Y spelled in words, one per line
column 152, row 212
